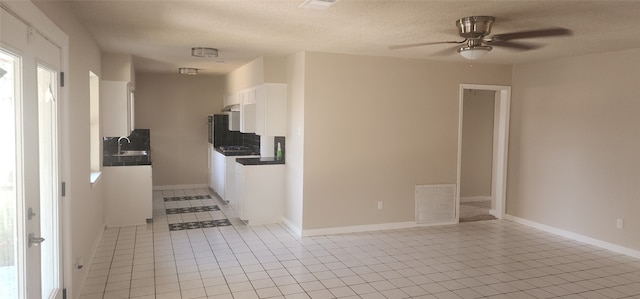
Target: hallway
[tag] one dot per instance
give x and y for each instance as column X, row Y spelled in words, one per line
column 486, row 259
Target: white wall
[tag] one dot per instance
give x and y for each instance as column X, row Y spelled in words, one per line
column 175, row 108
column 374, row 128
column 86, row 218
column 295, row 140
column 118, row 67
column 573, row 155
column 258, row 71
column 477, row 144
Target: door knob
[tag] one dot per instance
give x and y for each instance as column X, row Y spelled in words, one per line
column 34, row 241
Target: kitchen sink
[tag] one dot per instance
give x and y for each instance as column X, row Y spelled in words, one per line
column 132, row 153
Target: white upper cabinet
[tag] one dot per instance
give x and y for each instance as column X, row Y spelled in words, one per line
column 116, row 108
column 248, row 110
column 271, row 109
column 231, row 99
column 263, row 109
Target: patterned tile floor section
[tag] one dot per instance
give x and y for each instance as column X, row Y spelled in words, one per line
column 199, row 206
column 485, row 259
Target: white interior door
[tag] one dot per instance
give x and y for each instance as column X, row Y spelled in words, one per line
column 29, row 172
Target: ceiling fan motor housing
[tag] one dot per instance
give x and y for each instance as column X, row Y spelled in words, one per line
column 475, row 27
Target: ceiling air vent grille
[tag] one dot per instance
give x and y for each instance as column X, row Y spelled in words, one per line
column 318, row 4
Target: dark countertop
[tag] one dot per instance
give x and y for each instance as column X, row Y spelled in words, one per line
column 126, row 161
column 260, row 161
column 238, row 152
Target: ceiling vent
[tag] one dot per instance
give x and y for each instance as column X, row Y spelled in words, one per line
column 318, row 4
column 188, row 71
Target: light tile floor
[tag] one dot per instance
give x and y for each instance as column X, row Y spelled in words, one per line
column 487, row 259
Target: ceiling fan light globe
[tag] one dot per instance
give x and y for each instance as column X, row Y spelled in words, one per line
column 474, row 53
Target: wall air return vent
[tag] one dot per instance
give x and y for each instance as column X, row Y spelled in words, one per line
column 436, row 204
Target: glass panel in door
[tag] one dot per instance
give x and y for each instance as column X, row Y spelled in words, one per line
column 11, row 267
column 48, row 153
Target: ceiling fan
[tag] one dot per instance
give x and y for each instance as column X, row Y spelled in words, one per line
column 476, row 44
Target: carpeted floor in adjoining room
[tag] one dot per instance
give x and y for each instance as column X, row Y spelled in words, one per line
column 475, row 211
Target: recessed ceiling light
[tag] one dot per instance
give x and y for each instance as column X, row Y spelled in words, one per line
column 204, row 52
column 318, row 4
column 188, row 71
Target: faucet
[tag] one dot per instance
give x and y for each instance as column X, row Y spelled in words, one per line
column 120, row 144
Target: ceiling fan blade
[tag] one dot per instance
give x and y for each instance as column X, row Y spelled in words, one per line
column 513, row 45
column 445, row 52
column 557, row 31
column 396, row 47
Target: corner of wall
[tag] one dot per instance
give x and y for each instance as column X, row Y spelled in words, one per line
column 117, row 67
column 275, row 69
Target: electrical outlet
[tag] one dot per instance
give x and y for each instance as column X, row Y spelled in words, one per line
column 78, row 263
column 619, row 223
column 379, row 204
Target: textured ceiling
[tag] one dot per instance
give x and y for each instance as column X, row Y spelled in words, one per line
column 160, row 34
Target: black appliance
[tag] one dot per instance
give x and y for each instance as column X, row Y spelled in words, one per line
column 210, row 128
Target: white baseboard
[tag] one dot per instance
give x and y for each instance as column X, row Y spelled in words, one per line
column 176, row 187
column 493, row 213
column 297, row 230
column 86, row 264
column 474, row 198
column 365, row 228
column 578, row 237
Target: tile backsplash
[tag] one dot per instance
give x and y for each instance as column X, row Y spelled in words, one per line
column 140, row 140
column 223, row 137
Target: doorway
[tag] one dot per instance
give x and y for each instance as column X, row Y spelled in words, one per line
column 481, row 181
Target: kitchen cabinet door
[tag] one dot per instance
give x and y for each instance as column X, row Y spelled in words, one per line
column 248, row 110
column 230, row 194
column 219, row 173
column 116, row 105
column 127, row 194
column 231, row 99
column 271, row 110
column 210, row 166
column 260, row 193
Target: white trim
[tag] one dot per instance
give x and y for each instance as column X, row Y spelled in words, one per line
column 500, row 149
column 297, row 230
column 87, row 262
column 368, row 228
column 577, row 237
column 94, row 177
column 475, row 198
column 181, row 187
column 356, row 228
column 493, row 213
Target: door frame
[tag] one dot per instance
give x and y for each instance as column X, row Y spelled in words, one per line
column 32, row 15
column 500, row 145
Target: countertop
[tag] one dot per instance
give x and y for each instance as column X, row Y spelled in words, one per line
column 126, row 161
column 238, row 152
column 260, row 161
